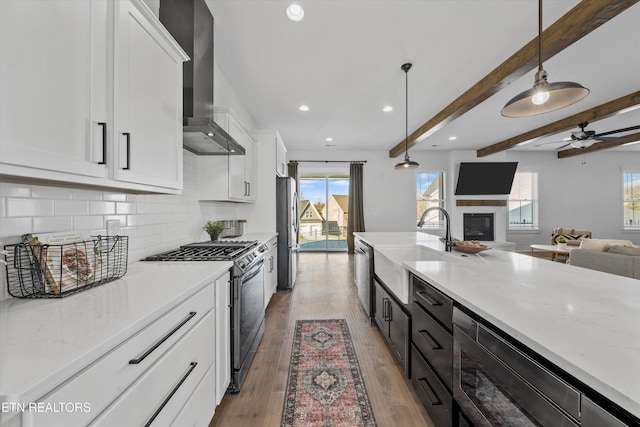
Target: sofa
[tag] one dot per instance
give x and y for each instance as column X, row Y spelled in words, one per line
column 610, row 256
column 573, row 236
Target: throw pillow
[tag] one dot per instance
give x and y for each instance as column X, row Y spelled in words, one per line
column 603, row 244
column 625, row 250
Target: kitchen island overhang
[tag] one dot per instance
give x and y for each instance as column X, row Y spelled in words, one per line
column 583, row 322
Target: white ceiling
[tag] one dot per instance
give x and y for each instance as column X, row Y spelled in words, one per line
column 343, row 61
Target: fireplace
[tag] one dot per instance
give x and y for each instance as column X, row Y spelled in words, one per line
column 478, row 226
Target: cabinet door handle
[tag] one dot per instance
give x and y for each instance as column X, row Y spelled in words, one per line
column 249, row 189
column 128, row 137
column 389, row 311
column 164, row 403
column 104, row 143
column 425, row 335
column 270, row 264
column 426, row 387
column 163, row 339
column 428, row 299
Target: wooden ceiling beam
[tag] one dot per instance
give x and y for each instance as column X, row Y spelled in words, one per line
column 585, row 17
column 627, row 139
column 602, row 111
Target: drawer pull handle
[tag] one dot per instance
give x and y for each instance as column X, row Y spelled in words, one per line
column 427, row 299
column 163, row 339
column 164, row 403
column 425, row 335
column 426, row 387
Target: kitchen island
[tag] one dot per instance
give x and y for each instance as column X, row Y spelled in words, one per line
column 583, row 322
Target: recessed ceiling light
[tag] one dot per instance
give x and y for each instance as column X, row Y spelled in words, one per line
column 303, row 108
column 388, row 109
column 453, row 138
column 295, row 12
column 329, row 139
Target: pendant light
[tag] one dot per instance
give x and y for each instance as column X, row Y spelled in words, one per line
column 543, row 96
column 407, row 164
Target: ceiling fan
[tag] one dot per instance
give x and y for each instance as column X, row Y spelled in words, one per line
column 586, row 138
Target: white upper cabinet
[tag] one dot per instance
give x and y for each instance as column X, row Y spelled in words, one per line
column 250, row 166
column 53, row 88
column 229, row 177
column 148, row 99
column 281, row 157
column 75, row 78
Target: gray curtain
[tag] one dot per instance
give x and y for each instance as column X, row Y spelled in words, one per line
column 355, row 221
column 292, row 171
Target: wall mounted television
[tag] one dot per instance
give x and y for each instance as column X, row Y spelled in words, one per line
column 485, row 178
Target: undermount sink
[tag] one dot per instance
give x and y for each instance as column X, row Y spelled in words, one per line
column 387, row 265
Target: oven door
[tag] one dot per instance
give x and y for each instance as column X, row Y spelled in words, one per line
column 249, row 311
column 488, row 392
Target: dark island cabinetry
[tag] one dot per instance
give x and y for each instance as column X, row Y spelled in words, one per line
column 394, row 323
column 432, row 351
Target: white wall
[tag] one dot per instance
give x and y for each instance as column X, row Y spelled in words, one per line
column 153, row 222
column 580, row 192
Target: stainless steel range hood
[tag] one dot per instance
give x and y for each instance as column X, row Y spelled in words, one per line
column 203, row 136
column 191, row 24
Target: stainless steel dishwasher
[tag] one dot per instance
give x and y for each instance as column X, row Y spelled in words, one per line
column 362, row 271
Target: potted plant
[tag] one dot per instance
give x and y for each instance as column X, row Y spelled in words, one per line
column 213, row 228
column 562, row 243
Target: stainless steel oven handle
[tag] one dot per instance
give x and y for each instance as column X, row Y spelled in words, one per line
column 253, row 272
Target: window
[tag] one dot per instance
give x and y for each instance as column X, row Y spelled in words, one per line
column 523, row 201
column 430, row 193
column 631, row 203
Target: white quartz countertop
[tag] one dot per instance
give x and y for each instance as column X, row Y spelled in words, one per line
column 585, row 322
column 45, row 341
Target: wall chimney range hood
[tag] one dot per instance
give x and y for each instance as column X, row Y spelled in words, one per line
column 190, row 22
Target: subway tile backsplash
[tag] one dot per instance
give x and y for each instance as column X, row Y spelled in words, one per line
column 153, row 222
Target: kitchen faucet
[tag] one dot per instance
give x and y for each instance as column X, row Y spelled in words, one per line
column 448, row 243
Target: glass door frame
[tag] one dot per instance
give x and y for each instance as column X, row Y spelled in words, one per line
column 326, row 177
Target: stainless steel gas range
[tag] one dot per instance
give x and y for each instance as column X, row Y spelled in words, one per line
column 247, row 290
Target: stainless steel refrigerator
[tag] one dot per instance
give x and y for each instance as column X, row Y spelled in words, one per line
column 287, row 223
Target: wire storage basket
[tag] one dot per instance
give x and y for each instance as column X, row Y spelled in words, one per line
column 56, row 271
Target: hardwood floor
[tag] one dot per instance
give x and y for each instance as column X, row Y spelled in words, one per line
column 324, row 290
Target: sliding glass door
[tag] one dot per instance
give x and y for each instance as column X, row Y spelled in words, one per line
column 324, row 202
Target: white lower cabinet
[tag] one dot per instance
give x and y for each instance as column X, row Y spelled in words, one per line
column 223, row 337
column 197, row 411
column 159, row 394
column 173, row 371
column 271, row 271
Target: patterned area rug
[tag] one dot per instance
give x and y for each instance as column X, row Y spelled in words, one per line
column 325, row 386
